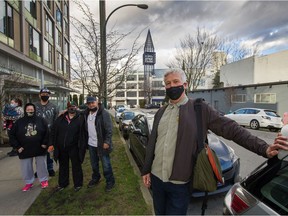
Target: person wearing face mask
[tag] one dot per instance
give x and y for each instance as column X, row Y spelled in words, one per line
column 172, row 147
column 65, row 137
column 30, row 136
column 48, row 111
column 11, row 113
column 97, row 134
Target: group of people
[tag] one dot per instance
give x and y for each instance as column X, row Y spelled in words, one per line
column 69, row 134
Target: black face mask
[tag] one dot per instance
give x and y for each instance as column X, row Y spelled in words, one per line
column 71, row 110
column 93, row 109
column 44, row 98
column 174, row 93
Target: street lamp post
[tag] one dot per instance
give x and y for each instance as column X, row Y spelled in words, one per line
column 103, row 24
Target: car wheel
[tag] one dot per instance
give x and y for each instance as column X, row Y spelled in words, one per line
column 254, row 124
column 274, row 129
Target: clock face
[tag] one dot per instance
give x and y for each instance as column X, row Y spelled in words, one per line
column 149, row 58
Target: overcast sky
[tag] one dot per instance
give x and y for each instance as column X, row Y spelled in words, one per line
column 253, row 22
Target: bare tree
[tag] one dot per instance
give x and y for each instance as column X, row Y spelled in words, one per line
column 86, row 49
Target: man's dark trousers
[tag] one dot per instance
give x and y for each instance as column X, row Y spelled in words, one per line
column 169, row 198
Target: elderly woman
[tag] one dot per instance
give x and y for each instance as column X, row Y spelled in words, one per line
column 30, row 137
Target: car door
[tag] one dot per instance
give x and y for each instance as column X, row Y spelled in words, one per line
column 140, row 137
column 238, row 116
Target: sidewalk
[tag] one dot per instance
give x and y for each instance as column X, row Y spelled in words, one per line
column 12, row 200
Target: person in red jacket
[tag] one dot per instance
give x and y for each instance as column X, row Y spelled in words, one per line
column 30, row 136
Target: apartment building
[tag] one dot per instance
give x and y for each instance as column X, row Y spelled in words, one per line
column 132, row 92
column 35, row 49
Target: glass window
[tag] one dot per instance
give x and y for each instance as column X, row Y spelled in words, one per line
column 241, row 111
column 58, row 17
column 141, row 85
column 49, row 26
column 131, row 85
column 59, row 62
column 58, row 38
column 238, row 98
column 66, row 48
column 141, row 93
column 65, row 10
column 131, row 78
column 265, row 98
column 6, row 19
column 120, row 94
column 47, row 52
column 34, row 41
column 157, row 84
column 131, row 94
column 141, row 77
column 31, row 7
column 66, row 28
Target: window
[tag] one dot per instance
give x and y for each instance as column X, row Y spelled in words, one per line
column 141, row 85
column 157, row 84
column 49, row 26
column 58, row 39
column 48, row 3
column 6, row 19
column 66, row 10
column 158, row 92
column 121, row 86
column 238, row 98
column 265, row 98
column 131, row 85
column 47, row 52
column 131, row 78
column 132, row 94
column 141, row 93
column 241, row 111
column 58, row 17
column 66, row 28
column 66, row 48
column 34, row 41
column 120, row 94
column 141, row 77
column 31, row 7
column 59, row 62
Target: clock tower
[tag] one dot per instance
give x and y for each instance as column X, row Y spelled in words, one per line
column 149, row 60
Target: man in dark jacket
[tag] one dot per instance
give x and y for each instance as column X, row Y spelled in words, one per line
column 48, row 111
column 98, row 135
column 172, row 147
column 30, row 136
column 65, row 137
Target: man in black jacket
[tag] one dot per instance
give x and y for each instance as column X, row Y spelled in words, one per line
column 65, row 137
column 98, row 135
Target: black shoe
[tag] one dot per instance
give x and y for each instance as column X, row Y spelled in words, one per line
column 109, row 187
column 77, row 188
column 35, row 175
column 59, row 188
column 12, row 153
column 51, row 173
column 93, row 183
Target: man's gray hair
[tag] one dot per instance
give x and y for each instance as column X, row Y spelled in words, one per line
column 176, row 71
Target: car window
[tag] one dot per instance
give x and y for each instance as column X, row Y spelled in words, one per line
column 270, row 185
column 128, row 116
column 252, row 111
column 140, row 123
column 271, row 113
column 241, row 111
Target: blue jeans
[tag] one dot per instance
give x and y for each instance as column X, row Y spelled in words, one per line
column 106, row 165
column 169, row 198
column 49, row 162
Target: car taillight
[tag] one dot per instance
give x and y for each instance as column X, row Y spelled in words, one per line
column 266, row 117
column 240, row 200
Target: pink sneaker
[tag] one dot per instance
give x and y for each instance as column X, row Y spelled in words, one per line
column 44, row 184
column 27, row 187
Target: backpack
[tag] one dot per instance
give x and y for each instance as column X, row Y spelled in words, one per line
column 207, row 170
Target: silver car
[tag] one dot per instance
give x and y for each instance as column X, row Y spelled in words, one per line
column 263, row 192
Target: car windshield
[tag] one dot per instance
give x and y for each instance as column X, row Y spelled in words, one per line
column 271, row 113
column 128, row 116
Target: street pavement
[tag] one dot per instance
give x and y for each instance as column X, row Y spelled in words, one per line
column 12, row 200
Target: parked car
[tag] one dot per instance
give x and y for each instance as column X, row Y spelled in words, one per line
column 257, row 118
column 263, row 192
column 139, row 131
column 118, row 112
column 152, row 106
column 124, row 121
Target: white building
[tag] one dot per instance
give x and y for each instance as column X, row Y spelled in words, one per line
column 256, row 70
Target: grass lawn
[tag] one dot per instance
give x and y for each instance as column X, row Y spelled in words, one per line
column 125, row 199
